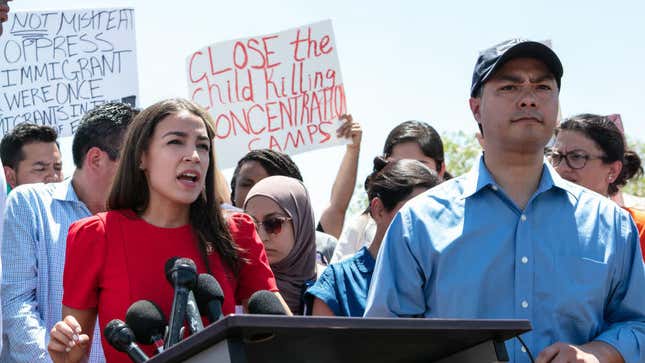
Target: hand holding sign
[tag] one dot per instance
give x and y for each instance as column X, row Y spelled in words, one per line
column 350, row 130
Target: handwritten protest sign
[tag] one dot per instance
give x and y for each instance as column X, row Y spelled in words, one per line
column 281, row 91
column 57, row 65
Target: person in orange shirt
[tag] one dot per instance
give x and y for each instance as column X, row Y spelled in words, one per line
column 590, row 150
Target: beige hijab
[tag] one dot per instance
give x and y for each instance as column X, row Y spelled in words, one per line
column 299, row 266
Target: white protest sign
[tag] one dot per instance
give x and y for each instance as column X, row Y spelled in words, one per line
column 57, row 65
column 281, row 91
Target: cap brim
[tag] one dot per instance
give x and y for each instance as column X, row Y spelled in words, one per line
column 529, row 49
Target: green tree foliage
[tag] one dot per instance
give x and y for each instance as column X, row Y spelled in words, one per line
column 461, row 151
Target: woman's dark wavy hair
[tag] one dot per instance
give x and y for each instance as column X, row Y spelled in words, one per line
column 130, row 187
column 394, row 181
column 423, row 134
column 608, row 137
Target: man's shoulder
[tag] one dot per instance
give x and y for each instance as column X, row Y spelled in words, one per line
column 591, row 207
column 31, row 195
column 588, row 200
column 448, row 194
column 36, row 189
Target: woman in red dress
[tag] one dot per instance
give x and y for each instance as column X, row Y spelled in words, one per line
column 162, row 204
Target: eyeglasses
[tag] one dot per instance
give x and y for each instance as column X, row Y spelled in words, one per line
column 576, row 159
column 272, row 225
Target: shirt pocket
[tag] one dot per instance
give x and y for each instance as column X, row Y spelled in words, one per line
column 581, row 289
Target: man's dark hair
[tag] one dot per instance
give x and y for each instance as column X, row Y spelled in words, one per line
column 11, row 145
column 102, row 127
column 275, row 163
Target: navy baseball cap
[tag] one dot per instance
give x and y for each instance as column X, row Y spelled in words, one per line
column 491, row 59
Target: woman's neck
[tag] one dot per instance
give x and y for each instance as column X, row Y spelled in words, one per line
column 376, row 241
column 166, row 214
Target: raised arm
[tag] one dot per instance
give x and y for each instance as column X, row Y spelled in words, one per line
column 333, row 217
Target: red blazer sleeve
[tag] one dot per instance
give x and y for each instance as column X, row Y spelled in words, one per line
column 84, row 259
column 255, row 274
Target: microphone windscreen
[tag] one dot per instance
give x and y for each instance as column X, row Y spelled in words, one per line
column 182, row 271
column 265, row 302
column 146, row 320
column 118, row 335
column 168, row 266
column 207, row 290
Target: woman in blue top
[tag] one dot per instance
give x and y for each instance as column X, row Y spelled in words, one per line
column 342, row 288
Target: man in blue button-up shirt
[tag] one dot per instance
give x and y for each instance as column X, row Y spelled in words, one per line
column 36, row 222
column 511, row 239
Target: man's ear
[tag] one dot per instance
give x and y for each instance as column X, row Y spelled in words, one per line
column 94, row 158
column 475, row 105
column 10, row 175
column 442, row 170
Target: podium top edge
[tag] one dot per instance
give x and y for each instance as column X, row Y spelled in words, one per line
column 333, row 322
column 238, row 326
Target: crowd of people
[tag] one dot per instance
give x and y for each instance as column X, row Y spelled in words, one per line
column 538, row 230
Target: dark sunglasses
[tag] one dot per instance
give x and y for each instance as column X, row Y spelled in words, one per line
column 272, row 225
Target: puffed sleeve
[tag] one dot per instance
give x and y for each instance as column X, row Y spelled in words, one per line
column 84, row 259
column 255, row 274
column 326, row 289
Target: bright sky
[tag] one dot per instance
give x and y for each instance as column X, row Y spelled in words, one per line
column 402, row 60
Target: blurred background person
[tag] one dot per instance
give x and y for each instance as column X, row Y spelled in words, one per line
column 414, row 140
column 257, row 165
column 4, row 16
column 30, row 154
column 4, row 13
column 37, row 220
column 591, row 151
column 342, row 288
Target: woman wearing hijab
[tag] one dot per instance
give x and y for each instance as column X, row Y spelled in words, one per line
column 284, row 218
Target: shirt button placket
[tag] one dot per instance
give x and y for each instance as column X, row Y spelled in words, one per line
column 524, row 276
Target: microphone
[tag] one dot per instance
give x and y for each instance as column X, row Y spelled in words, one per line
column 265, row 302
column 193, row 316
column 183, row 276
column 147, row 322
column 122, row 339
column 210, row 296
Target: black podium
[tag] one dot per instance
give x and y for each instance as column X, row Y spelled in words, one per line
column 268, row 339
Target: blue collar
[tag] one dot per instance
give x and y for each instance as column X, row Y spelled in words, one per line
column 480, row 178
column 64, row 191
